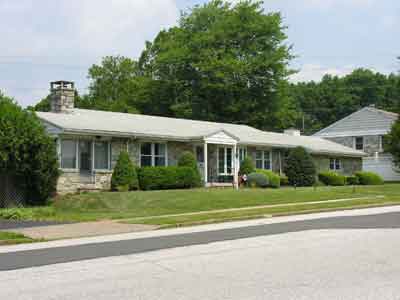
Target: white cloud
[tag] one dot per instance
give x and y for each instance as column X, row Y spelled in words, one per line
column 332, row 3
column 315, row 72
column 47, row 40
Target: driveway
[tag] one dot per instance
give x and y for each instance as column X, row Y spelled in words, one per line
column 11, row 224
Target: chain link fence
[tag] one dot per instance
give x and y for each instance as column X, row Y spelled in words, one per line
column 10, row 194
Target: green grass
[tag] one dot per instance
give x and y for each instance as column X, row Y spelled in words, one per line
column 10, row 238
column 130, row 205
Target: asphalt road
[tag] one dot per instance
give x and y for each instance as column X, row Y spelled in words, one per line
column 353, row 264
column 47, row 256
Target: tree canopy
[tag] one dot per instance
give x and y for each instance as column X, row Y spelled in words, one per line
column 335, row 97
column 27, row 152
column 229, row 62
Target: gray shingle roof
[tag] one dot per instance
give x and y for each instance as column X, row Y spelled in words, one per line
column 366, row 121
column 121, row 124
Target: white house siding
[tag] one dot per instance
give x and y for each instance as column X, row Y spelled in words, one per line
column 382, row 165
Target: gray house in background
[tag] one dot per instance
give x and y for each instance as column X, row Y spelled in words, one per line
column 365, row 130
column 89, row 143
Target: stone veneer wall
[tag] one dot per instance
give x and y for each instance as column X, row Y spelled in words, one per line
column 349, row 165
column 71, row 182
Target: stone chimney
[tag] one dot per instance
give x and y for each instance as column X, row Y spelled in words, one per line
column 292, row 132
column 62, row 96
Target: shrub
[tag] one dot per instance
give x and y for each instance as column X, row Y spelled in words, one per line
column 369, row 178
column 246, row 166
column 274, row 179
column 300, row 168
column 187, row 159
column 284, row 180
column 124, row 177
column 257, row 180
column 352, row 180
column 162, row 178
column 332, row 178
column 27, row 152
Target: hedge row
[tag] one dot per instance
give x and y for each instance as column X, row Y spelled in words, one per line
column 363, row 178
column 274, row 179
column 163, row 178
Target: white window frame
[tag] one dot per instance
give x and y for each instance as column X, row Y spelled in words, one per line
column 77, row 140
column 94, row 156
column 355, row 143
column 263, row 158
column 240, row 151
column 76, row 169
column 225, row 170
column 153, row 156
column 336, row 162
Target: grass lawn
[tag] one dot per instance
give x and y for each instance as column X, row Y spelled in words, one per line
column 132, row 205
column 10, row 238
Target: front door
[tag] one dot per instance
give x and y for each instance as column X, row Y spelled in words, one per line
column 85, row 156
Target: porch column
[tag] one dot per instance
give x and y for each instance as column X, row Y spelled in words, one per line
column 205, row 164
column 235, row 167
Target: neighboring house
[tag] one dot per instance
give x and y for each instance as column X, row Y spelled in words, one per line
column 365, row 130
column 90, row 141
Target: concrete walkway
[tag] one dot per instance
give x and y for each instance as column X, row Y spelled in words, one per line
column 86, row 229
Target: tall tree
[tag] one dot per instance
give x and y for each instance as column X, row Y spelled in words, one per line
column 322, row 103
column 113, row 84
column 223, row 62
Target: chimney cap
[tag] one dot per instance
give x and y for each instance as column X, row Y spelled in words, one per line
column 292, row 132
column 62, row 84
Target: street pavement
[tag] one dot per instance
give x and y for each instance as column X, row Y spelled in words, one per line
column 341, row 257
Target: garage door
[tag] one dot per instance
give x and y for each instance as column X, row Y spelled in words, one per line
column 382, row 165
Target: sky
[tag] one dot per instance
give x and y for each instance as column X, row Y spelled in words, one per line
column 47, row 40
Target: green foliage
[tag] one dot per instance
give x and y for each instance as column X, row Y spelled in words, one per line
column 392, row 142
column 113, row 84
column 27, row 152
column 333, row 98
column 369, row 178
column 187, row 159
column 352, row 180
column 257, row 180
column 163, row 178
column 284, row 180
column 215, row 63
column 300, row 168
column 246, row 166
column 124, row 177
column 332, row 178
column 274, row 180
column 15, row 214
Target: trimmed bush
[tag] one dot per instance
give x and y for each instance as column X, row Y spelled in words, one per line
column 284, row 180
column 332, row 178
column 246, row 166
column 257, row 180
column 369, row 178
column 163, row 178
column 300, row 168
column 274, row 179
column 27, row 152
column 124, row 177
column 352, row 180
column 187, row 159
